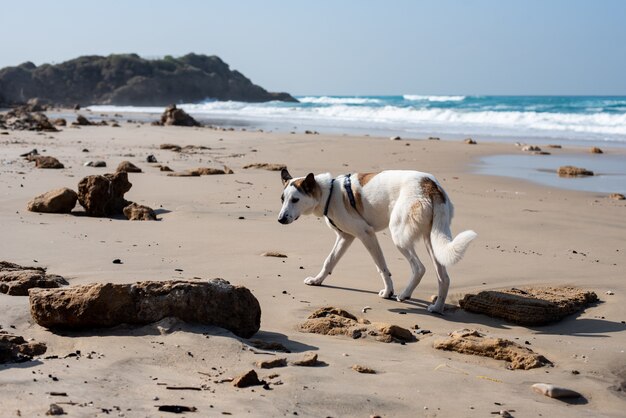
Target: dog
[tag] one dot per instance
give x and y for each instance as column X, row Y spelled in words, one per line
column 411, row 204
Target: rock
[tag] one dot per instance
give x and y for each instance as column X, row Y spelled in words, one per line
column 127, row 167
column 21, row 118
column 274, row 254
column 555, row 146
column 335, row 321
column 617, row 196
column 96, row 163
column 247, row 379
column 178, row 117
column 309, row 360
column 270, row 346
column 151, row 159
column 28, row 155
column 271, row 364
column 556, row 392
column 530, row 305
column 472, row 342
column 531, row 148
column 59, row 122
column 177, row 409
column 14, row 349
column 215, row 302
column 540, row 153
column 81, row 121
column 16, row 280
column 433, row 138
column 47, row 162
column 363, row 369
column 165, row 168
column 55, row 201
column 395, row 138
column 571, row 171
column 104, row 195
column 135, row 212
column 595, row 150
column 129, row 80
column 469, row 141
column 266, row 166
column 55, row 410
column 201, row 171
column 172, row 147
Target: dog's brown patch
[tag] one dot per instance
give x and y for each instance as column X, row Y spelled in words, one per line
column 308, row 187
column 432, row 190
column 364, row 178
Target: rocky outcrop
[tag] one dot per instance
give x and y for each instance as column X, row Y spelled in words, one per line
column 14, row 349
column 335, row 321
column 529, row 305
column 178, row 117
column 16, row 280
column 24, row 119
column 215, row 302
column 104, row 195
column 127, row 79
column 571, row 171
column 136, row 212
column 467, row 341
column 55, row 201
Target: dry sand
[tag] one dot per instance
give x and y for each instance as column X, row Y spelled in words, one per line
column 527, row 235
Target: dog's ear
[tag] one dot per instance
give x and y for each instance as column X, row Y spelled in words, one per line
column 285, row 176
column 309, row 183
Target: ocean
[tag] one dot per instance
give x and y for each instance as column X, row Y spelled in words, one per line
column 593, row 119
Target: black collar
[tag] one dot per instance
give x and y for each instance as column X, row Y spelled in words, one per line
column 348, row 186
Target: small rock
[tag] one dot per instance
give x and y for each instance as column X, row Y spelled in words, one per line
column 55, row 410
column 270, row 364
column 363, row 369
column 617, row 196
column 309, row 360
column 135, row 212
column 165, row 168
column 151, row 159
column 555, row 391
column 266, row 166
column 595, row 150
column 433, row 138
column 505, row 413
column 247, row 379
column 274, row 254
column 571, row 171
column 531, row 148
column 365, row 309
column 97, row 163
column 81, row 121
column 127, row 167
column 117, row 261
column 395, row 138
column 47, row 162
column 555, row 146
column 610, row 292
column 470, row 141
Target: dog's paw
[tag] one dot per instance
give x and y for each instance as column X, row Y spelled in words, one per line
column 402, row 297
column 435, row 309
column 385, row 293
column 312, row 281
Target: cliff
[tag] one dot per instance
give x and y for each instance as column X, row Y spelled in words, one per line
column 131, row 80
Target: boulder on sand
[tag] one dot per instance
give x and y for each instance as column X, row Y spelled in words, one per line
column 215, row 302
column 529, row 305
column 127, row 167
column 136, row 212
column 55, row 201
column 47, row 162
column 467, row 341
column 178, row 117
column 571, row 171
column 104, row 195
column 16, row 280
column 14, row 349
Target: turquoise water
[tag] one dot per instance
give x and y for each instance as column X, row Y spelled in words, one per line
column 596, row 119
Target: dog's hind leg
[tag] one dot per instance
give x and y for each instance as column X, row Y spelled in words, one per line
column 442, row 278
column 373, row 247
column 339, row 249
column 404, row 239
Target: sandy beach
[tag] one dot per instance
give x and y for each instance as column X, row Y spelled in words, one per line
column 219, row 226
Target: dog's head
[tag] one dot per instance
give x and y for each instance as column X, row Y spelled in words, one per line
column 300, row 196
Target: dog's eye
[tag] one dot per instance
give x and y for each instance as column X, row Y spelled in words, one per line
column 295, row 200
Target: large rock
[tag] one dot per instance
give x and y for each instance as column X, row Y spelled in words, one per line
column 175, row 116
column 215, row 302
column 14, row 349
column 16, row 280
column 22, row 118
column 131, row 80
column 104, row 195
column 55, row 201
column 467, row 341
column 529, row 305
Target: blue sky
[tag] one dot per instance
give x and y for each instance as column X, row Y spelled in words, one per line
column 348, row 46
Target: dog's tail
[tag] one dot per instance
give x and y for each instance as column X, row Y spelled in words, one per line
column 447, row 251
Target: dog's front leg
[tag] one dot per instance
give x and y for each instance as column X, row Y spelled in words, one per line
column 371, row 243
column 339, row 249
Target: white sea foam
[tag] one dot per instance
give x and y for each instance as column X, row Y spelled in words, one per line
column 418, row 97
column 338, row 100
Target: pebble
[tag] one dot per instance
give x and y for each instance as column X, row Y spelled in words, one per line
column 365, row 309
column 610, row 292
column 505, row 413
column 117, row 261
column 552, row 391
column 55, row 410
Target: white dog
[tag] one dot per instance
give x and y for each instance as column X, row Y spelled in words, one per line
column 412, row 204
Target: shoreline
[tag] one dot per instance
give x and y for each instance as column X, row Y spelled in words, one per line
column 528, row 235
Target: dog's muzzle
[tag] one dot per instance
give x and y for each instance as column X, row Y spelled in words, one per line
column 283, row 220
